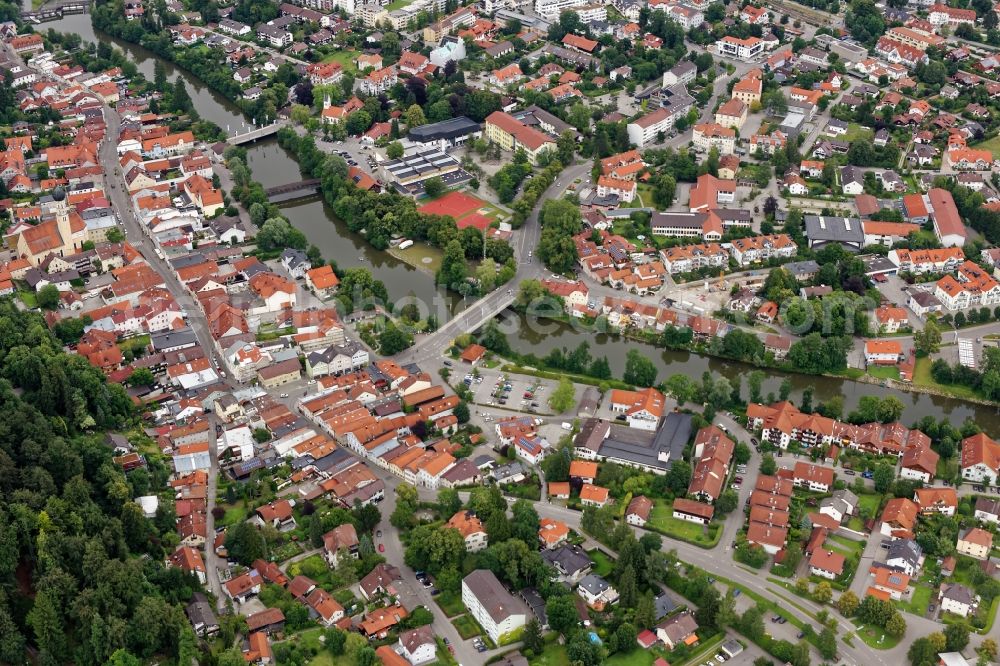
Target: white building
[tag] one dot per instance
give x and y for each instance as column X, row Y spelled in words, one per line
column 496, row 610
column 551, row 9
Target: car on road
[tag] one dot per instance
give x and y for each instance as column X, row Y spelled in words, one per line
column 448, row 363
column 931, row 608
column 284, row 395
column 867, row 474
column 753, row 440
column 850, row 472
column 800, row 635
column 381, row 548
column 378, row 533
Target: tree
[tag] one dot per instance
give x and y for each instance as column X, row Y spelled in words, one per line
column 956, row 636
column 679, row 477
column 823, row 592
column 393, row 340
column 461, row 412
column 564, row 396
column 826, row 643
column 561, row 611
column 928, row 340
column 414, row 117
column 394, row 150
column 316, row 531
column 48, row 297
column 639, row 370
column 434, row 187
column 883, row 476
column 454, row 266
column 645, row 611
column 142, row 377
column 847, row 604
column 896, row 625
column 245, row 543
column 532, row 637
column 727, row 501
column 767, row 464
column 924, row 651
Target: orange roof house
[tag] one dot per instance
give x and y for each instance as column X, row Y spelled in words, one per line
column 552, row 532
column 583, row 469
column 592, row 495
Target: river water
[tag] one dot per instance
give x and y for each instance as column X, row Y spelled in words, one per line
column 273, row 166
column 541, row 337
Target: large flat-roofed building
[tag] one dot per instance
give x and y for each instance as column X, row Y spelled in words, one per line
column 652, row 452
column 847, row 231
column 495, row 609
column 511, row 134
column 445, row 134
column 419, row 164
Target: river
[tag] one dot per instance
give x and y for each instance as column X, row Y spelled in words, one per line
column 541, row 337
column 272, row 166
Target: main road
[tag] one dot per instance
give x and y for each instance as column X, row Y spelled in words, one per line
column 135, row 233
column 495, row 302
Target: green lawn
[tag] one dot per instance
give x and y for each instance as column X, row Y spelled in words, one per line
column 553, row 655
column 845, row 546
column 876, row 637
column 421, row 256
column 29, row 298
column 451, row 604
column 856, row 132
column 884, row 371
column 918, row 602
column 637, row 657
column 397, row 4
column 644, row 192
column 870, row 500
column 602, row 563
column 466, row 626
column 345, row 58
column 990, row 144
column 662, row 519
column 233, row 515
column 922, row 377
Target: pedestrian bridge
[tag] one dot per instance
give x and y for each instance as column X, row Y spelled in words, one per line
column 292, row 190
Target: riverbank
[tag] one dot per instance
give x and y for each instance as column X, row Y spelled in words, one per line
column 421, row 256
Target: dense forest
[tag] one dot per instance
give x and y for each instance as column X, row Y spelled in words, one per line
column 82, row 577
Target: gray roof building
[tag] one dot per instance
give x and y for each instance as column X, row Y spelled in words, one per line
column 493, row 596
column 846, row 231
column 569, row 561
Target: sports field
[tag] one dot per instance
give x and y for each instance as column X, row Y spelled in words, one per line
column 465, row 209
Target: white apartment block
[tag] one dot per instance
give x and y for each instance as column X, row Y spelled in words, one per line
column 551, row 9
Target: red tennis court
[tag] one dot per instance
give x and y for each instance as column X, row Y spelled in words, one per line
column 456, row 204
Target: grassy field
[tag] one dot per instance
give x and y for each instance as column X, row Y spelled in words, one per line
column 856, row 132
column 29, row 298
column 644, row 193
column 421, row 256
column 844, row 546
column 345, row 58
column 233, row 515
column 451, row 604
column 602, row 563
column 466, row 626
column 876, row 637
column 884, row 371
column 922, row 377
column 662, row 519
column 553, row 655
column 990, row 144
column 918, row 602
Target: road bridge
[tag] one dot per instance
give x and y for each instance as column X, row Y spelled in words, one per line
column 255, row 134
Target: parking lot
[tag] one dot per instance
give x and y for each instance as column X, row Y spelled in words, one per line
column 493, row 388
